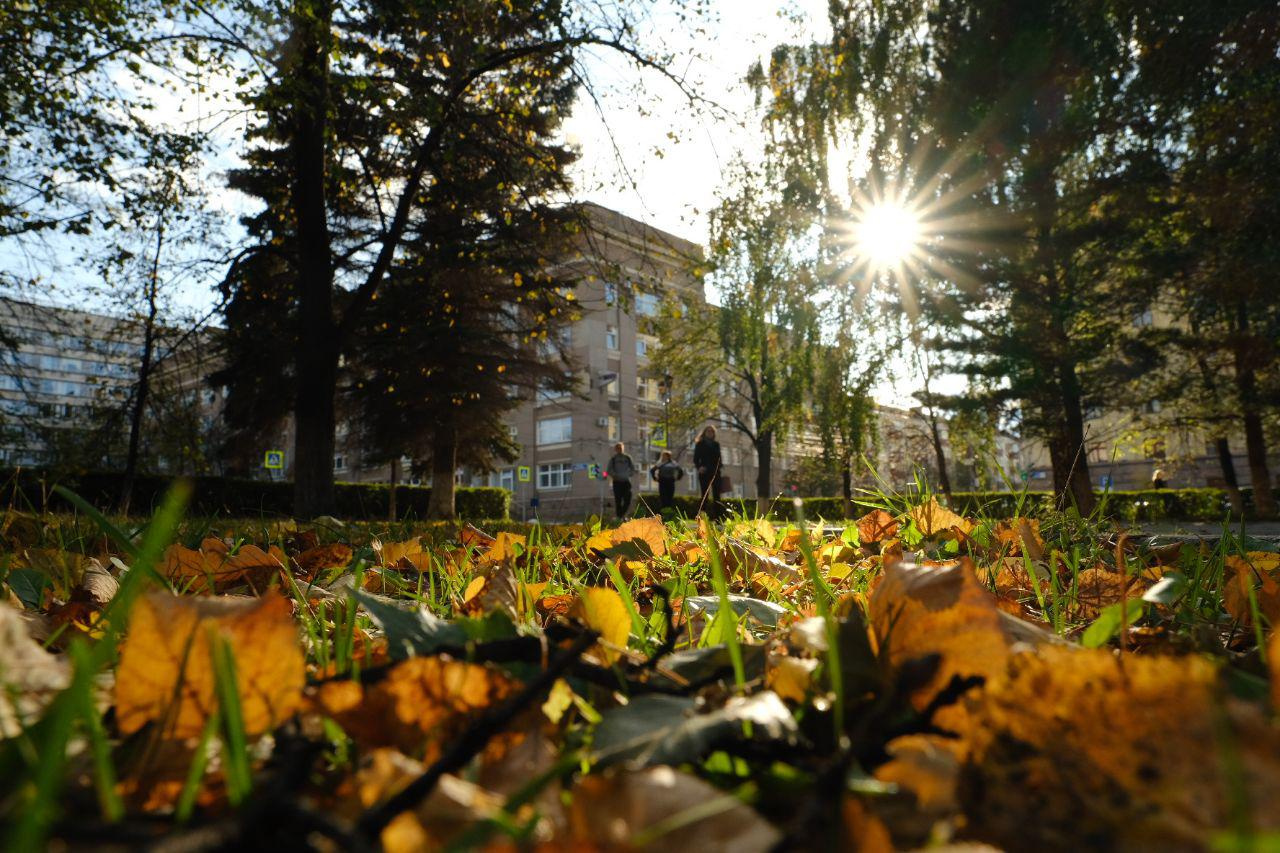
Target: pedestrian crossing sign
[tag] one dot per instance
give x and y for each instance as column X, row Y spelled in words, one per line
column 593, row 471
column 658, row 438
column 522, row 474
column 274, row 460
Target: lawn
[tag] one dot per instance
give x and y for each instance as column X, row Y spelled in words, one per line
column 915, row 677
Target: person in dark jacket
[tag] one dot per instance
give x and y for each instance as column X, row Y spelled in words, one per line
column 666, row 472
column 620, row 470
column 706, row 458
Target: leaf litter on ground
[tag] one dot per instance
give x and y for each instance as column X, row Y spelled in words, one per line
column 1023, row 682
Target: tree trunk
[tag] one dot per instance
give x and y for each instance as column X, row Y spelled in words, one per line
column 395, row 484
column 1255, row 444
column 444, row 465
column 764, row 471
column 935, row 434
column 144, row 380
column 1228, row 466
column 316, row 356
column 846, row 487
column 1075, row 475
column 1255, row 439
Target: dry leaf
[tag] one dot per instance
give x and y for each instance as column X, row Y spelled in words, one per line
column 420, row 704
column 1139, row 751
column 29, row 676
column 166, row 672
column 613, row 811
column 1257, row 569
column 876, row 526
column 214, row 569
column 791, row 678
column 919, row 610
column 601, row 609
column 315, row 560
column 933, row 518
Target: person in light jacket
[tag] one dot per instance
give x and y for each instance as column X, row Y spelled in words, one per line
column 706, row 458
column 666, row 472
column 621, row 469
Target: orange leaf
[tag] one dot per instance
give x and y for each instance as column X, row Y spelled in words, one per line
column 166, row 672
column 876, row 526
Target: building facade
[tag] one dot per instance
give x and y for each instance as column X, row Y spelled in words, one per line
column 67, row 380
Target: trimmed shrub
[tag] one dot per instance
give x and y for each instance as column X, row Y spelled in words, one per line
column 33, row 489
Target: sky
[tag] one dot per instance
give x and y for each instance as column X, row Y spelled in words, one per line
column 652, row 155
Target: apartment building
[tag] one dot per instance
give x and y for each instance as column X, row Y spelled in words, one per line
column 67, row 376
column 626, row 271
column 1127, row 441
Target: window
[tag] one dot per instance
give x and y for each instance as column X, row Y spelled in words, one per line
column 557, row 475
column 645, row 388
column 642, row 347
column 646, row 305
column 613, row 429
column 555, row 430
column 339, row 463
column 611, row 337
column 507, row 479
column 513, row 431
column 610, row 293
column 1146, row 318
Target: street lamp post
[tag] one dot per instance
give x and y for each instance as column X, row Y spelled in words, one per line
column 665, row 388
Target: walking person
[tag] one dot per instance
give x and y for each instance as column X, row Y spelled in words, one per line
column 706, row 458
column 666, row 472
column 621, row 469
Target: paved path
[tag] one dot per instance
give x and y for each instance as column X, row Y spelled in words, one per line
column 1171, row 531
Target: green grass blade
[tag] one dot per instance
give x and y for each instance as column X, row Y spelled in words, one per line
column 115, row 533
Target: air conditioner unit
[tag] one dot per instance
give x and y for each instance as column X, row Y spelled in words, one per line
column 602, row 421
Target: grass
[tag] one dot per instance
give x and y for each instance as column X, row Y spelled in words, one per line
column 1187, row 610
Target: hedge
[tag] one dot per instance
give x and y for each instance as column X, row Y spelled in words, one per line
column 1128, row 506
column 30, row 488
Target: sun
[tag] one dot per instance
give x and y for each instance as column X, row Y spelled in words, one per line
column 887, row 234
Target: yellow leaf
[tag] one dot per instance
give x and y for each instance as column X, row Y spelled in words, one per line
column 559, row 700
column 918, row 610
column 791, row 677
column 166, row 671
column 601, row 609
column 932, row 518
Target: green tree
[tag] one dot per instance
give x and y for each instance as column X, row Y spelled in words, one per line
column 1210, row 74
column 359, row 112
column 751, row 358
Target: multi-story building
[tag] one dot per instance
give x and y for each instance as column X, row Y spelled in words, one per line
column 1127, row 441
column 626, row 271
column 67, row 377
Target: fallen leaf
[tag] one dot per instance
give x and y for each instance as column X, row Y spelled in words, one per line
column 602, row 610
column 933, row 518
column 315, row 560
column 616, row 810
column 214, row 569
column 919, row 610
column 1261, row 571
column 166, row 673
column 791, row 678
column 29, row 675
column 876, row 526
column 1142, row 751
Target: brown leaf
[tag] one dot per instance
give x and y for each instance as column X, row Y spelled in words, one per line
column 1261, row 571
column 1144, row 751
column 315, row 560
column 420, row 704
column 214, row 569
column 933, row 518
column 876, row 526
column 614, row 810
column 29, row 676
column 1021, row 536
column 166, row 672
column 919, row 610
